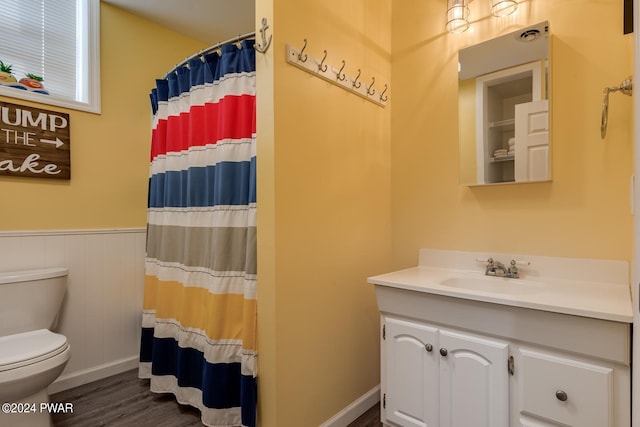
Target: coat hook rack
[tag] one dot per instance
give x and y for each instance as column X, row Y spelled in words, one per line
column 320, row 68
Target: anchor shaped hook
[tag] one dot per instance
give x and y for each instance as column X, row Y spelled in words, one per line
column 265, row 43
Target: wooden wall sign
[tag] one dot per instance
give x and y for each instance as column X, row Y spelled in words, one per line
column 34, row 143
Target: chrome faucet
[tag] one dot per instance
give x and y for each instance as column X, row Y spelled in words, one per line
column 498, row 269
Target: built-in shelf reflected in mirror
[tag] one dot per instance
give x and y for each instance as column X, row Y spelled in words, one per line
column 503, row 100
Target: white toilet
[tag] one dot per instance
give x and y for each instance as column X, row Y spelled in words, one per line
column 31, row 356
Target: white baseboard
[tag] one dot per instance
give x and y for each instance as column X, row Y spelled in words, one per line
column 75, row 379
column 355, row 409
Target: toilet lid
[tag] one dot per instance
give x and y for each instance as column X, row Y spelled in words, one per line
column 29, row 347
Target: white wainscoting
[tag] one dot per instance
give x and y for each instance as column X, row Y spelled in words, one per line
column 101, row 312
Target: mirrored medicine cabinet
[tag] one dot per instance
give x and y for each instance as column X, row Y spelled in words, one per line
column 503, row 109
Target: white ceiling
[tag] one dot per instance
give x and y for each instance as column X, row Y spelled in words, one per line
column 210, row 21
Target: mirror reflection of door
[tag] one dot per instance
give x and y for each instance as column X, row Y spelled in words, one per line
column 497, row 78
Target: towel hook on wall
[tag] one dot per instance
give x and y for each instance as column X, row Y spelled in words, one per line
column 340, row 75
column 383, row 97
column 265, row 43
column 356, row 83
column 300, row 58
column 322, row 66
column 626, row 87
column 370, row 90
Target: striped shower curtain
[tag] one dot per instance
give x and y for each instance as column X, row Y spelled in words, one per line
column 199, row 315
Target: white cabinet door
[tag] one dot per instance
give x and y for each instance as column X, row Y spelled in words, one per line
column 532, row 141
column 474, row 381
column 410, row 373
column 434, row 377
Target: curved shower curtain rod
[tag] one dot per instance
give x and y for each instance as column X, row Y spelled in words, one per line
column 211, row 49
column 262, row 48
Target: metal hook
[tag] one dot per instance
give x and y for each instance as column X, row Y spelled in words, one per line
column 320, row 67
column 369, row 90
column 302, row 51
column 340, row 76
column 382, row 97
column 356, row 83
column 265, row 43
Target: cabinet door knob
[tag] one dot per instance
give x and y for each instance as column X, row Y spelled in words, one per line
column 428, row 347
column 561, row 395
column 443, row 352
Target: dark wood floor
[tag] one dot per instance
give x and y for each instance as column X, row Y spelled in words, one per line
column 124, row 400
column 371, row 418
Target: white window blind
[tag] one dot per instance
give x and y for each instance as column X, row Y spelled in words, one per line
column 53, row 39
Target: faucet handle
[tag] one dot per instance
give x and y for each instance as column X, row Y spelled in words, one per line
column 513, row 270
column 490, row 266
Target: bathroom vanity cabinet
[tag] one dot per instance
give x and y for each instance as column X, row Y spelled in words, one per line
column 459, row 358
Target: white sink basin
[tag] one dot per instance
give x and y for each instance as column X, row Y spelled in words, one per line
column 492, row 284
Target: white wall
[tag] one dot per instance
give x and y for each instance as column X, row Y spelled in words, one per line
column 102, row 308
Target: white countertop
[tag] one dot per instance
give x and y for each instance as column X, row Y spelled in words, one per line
column 581, row 297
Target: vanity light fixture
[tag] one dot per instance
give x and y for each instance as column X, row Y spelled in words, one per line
column 503, row 7
column 458, row 13
column 457, row 16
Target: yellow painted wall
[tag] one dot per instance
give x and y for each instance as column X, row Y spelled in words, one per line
column 110, row 151
column 585, row 211
column 324, row 214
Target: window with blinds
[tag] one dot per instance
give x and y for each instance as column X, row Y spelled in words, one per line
column 55, row 42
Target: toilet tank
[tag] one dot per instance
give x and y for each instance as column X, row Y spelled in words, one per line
column 31, row 299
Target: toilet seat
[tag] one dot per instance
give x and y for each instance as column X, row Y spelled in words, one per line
column 30, row 347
